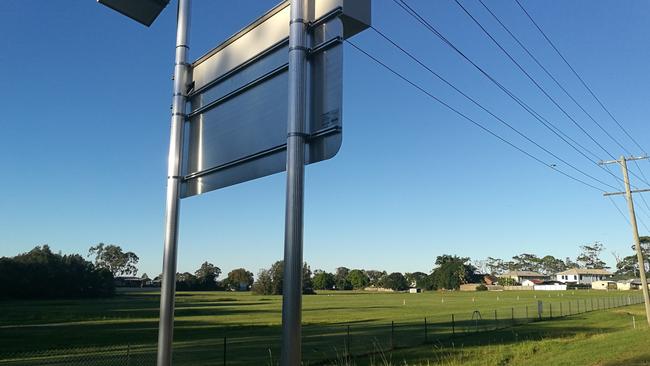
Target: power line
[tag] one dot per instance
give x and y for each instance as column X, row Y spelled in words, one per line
column 579, row 77
column 619, row 210
column 474, row 122
column 521, row 68
column 552, row 76
column 643, row 178
column 440, row 77
column 413, row 13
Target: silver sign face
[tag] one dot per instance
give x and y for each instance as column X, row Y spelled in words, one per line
column 236, row 129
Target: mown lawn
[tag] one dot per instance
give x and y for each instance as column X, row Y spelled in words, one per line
column 251, row 324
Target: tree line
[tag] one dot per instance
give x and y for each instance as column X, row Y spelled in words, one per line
column 590, row 257
column 40, row 273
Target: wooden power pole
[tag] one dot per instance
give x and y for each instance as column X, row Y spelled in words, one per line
column 635, row 231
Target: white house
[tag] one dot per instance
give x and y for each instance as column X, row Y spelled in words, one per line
column 583, row 275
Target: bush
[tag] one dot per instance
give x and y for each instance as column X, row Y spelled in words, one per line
column 481, row 287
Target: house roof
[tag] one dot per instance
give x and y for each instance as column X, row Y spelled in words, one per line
column 585, row 271
column 523, row 274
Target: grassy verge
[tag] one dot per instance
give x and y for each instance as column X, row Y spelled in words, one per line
column 335, row 323
column 605, row 338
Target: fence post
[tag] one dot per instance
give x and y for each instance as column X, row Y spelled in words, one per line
column 526, row 312
column 426, row 335
column 496, row 320
column 512, row 315
column 347, row 341
column 392, row 335
column 550, row 308
column 585, row 304
column 578, row 305
column 561, row 310
column 453, row 325
column 592, row 303
column 540, row 309
column 225, row 341
column 569, row 307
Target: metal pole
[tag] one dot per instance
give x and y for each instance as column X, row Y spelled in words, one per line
column 293, row 232
column 637, row 244
column 168, row 286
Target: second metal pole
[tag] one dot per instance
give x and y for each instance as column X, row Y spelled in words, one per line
column 290, row 354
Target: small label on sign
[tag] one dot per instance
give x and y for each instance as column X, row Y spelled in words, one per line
column 330, row 118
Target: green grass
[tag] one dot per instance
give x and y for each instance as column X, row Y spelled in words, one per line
column 604, row 338
column 252, row 323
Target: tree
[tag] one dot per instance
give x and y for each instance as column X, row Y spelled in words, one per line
column 114, row 259
column 590, row 256
column 494, row 265
column 307, row 284
column 570, row 264
column 644, row 242
column 526, row 262
column 417, row 279
column 323, row 280
column 263, row 285
column 358, row 279
column 375, row 276
column 451, row 272
column 341, row 278
column 186, row 282
column 549, row 265
column 627, row 267
column 270, row 281
column 395, row 281
column 239, row 279
column 206, row 276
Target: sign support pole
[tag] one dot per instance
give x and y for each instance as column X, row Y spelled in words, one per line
column 168, row 286
column 293, row 232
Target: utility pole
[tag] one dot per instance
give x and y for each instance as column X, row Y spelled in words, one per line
column 291, row 354
column 635, row 231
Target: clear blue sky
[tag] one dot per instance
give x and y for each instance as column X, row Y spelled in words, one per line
column 85, row 123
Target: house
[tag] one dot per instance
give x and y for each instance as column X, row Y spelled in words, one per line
column 633, row 284
column 128, row 281
column 532, row 282
column 583, row 275
column 603, row 285
column 521, row 276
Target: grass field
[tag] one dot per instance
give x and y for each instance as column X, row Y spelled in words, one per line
column 251, row 325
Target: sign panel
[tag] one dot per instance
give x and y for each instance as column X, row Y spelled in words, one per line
column 237, row 125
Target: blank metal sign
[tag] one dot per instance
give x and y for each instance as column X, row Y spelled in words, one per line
column 237, row 126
